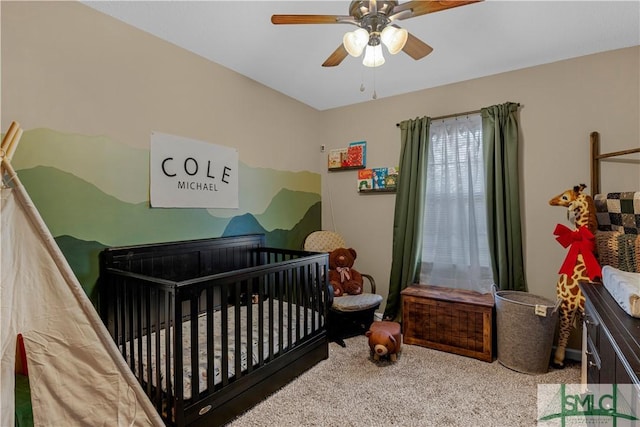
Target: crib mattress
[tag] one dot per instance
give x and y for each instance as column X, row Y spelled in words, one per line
column 624, row 287
column 269, row 335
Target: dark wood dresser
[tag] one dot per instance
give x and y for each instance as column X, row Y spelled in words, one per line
column 612, row 339
column 611, row 346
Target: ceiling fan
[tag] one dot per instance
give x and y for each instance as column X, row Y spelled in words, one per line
column 376, row 22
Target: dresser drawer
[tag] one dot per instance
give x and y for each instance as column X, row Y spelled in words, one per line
column 593, row 362
column 592, row 325
column 611, row 343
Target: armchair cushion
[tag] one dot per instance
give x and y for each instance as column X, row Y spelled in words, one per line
column 323, row 241
column 356, row 302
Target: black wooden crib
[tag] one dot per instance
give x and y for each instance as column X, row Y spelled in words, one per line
column 211, row 327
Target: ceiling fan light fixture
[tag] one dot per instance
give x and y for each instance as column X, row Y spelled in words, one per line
column 355, row 41
column 394, row 38
column 373, row 56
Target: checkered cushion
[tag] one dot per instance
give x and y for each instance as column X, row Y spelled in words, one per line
column 618, row 212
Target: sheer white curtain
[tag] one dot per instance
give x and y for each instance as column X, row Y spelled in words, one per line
column 455, row 250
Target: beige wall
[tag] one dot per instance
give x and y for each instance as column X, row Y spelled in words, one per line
column 68, row 67
column 561, row 104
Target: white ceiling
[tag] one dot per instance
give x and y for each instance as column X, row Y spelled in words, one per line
column 471, row 41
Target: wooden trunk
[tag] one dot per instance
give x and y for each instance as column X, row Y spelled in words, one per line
column 452, row 320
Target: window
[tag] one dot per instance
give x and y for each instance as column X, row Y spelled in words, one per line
column 455, row 248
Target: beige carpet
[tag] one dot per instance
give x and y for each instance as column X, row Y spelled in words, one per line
column 423, row 388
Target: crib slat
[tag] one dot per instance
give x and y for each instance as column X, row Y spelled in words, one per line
column 272, row 295
column 146, row 303
column 137, row 295
column 317, row 292
column 169, row 349
column 195, row 362
column 129, row 325
column 210, row 338
column 308, row 305
column 290, row 295
column 318, row 289
column 118, row 314
column 262, row 292
column 249, row 325
column 237, row 348
column 308, row 300
column 224, row 334
column 281, row 294
column 156, row 342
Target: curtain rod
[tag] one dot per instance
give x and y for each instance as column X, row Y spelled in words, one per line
column 448, row 116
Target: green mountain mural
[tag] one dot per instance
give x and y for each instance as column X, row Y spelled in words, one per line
column 82, row 257
column 92, row 159
column 294, row 238
column 93, row 191
column 285, row 209
column 85, row 220
column 278, row 238
column 71, row 206
column 74, row 207
column 263, row 184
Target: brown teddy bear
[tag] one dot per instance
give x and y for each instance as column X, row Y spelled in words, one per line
column 343, row 278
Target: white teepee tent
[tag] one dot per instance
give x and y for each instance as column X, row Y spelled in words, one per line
column 76, row 373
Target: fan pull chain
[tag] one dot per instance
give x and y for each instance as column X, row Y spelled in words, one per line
column 375, row 95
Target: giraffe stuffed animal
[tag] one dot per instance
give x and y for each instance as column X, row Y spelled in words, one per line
column 580, row 263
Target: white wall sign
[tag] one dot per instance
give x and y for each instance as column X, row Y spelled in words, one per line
column 186, row 173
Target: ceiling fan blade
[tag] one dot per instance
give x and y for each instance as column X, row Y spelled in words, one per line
column 336, row 57
column 309, row 19
column 416, row 48
column 422, row 7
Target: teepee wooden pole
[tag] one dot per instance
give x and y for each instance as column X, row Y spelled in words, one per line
column 10, row 141
column 8, row 137
column 11, row 148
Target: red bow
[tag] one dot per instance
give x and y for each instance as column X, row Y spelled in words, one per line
column 582, row 241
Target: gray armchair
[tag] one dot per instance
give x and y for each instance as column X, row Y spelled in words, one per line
column 349, row 315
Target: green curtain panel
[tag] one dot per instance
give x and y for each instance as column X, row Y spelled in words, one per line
column 407, row 223
column 500, row 145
